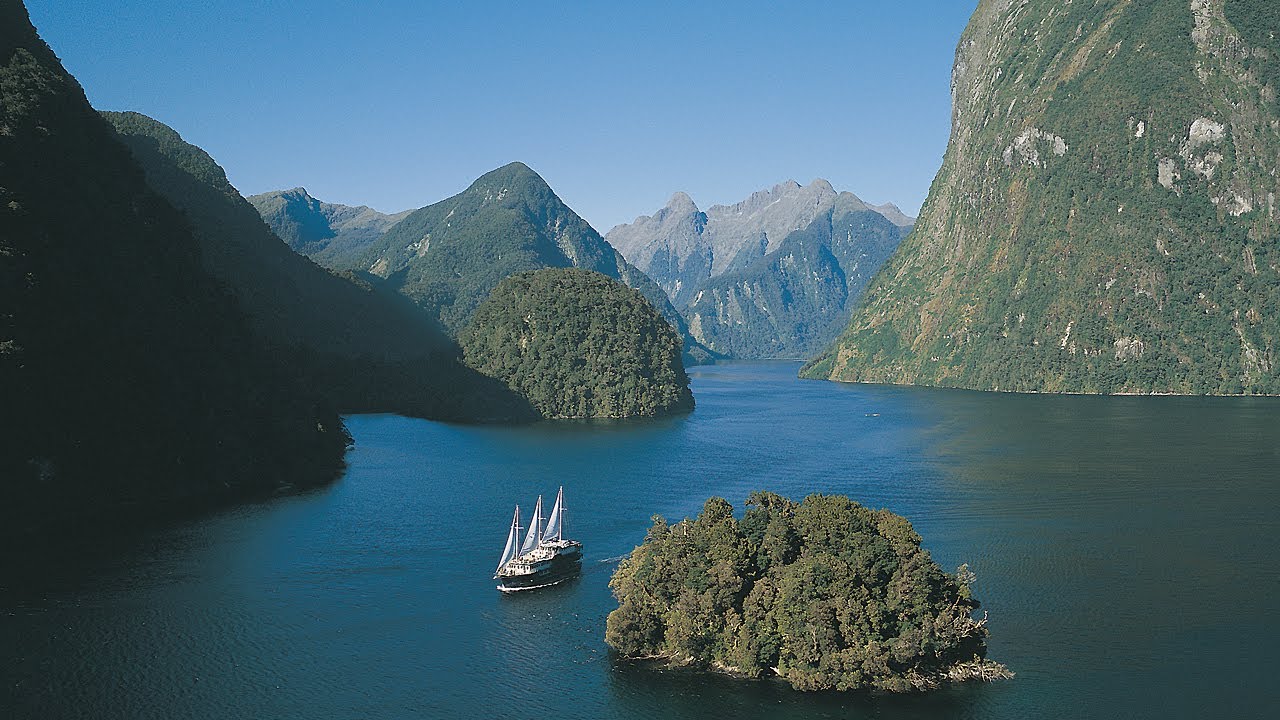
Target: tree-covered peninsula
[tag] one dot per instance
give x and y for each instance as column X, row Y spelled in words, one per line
column 825, row 594
column 577, row 344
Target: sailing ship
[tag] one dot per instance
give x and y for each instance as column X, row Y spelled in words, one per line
column 545, row 557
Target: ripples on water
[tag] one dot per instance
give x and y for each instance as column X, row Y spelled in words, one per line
column 1123, row 548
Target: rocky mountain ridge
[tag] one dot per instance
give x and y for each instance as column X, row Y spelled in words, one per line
column 681, row 247
column 771, row 276
column 327, row 232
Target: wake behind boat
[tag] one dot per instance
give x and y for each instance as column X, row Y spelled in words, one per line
column 545, row 558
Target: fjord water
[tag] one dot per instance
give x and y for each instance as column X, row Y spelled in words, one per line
column 1124, row 547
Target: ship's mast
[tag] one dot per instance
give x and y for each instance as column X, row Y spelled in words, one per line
column 542, row 525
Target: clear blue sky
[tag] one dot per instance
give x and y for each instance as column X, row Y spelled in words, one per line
column 400, row 103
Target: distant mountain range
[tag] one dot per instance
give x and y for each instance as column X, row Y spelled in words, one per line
column 364, row 348
column 772, row 276
column 328, row 233
column 448, row 256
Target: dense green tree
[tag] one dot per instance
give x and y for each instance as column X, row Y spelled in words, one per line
column 577, row 344
column 826, row 594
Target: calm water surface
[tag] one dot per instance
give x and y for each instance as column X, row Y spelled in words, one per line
column 1125, row 550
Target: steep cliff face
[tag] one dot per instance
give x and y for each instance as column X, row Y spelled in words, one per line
column 669, row 246
column 1105, row 216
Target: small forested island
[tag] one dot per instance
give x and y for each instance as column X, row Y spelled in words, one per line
column 826, row 594
column 577, row 344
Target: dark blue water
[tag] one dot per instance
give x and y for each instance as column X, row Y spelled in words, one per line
column 1125, row 550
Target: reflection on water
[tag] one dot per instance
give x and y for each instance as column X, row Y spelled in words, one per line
column 1123, row 548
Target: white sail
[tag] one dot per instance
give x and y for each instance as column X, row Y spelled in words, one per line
column 534, row 536
column 513, row 538
column 555, row 523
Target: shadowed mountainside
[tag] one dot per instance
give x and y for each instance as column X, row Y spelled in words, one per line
column 328, row 233
column 366, row 349
column 131, row 383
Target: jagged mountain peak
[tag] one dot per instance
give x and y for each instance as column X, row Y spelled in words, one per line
column 831, row 241
column 514, row 174
column 894, row 214
column 680, row 201
column 821, row 185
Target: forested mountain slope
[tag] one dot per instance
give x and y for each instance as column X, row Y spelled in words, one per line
column 365, row 349
column 130, row 380
column 578, row 344
column 1105, row 216
column 449, row 255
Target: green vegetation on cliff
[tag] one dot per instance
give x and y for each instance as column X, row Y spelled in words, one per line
column 577, row 344
column 1105, row 217
column 129, row 379
column 826, row 594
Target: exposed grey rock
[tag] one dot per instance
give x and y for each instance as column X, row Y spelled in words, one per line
column 894, row 214
column 771, row 276
column 796, row 299
column 681, row 247
column 669, row 244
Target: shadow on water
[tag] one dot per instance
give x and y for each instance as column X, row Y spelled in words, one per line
column 685, row 693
